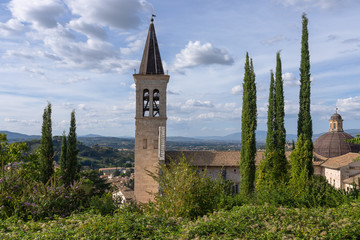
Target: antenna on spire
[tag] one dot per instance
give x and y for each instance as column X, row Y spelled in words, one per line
column 152, row 17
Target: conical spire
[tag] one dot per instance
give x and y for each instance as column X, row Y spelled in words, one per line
column 151, row 60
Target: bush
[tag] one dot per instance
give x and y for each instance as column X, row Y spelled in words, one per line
column 104, row 204
column 186, row 193
column 317, row 192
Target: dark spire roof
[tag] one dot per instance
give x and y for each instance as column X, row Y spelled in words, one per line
column 151, row 60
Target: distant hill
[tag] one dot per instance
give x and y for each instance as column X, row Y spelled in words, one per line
column 260, row 137
column 18, row 137
column 231, row 141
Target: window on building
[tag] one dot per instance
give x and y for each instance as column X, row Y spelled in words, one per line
column 144, row 143
column 156, row 103
column 223, row 174
column 236, row 188
column 146, row 106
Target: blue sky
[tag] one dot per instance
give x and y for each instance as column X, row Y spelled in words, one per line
column 81, row 54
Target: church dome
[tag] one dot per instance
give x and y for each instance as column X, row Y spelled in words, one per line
column 333, row 144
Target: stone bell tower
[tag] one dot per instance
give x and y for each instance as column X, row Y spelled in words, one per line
column 150, row 119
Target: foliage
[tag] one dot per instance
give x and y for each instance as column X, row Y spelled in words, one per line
column 46, row 150
column 248, row 127
column 63, row 159
column 273, row 168
column 244, row 222
column 186, row 193
column 317, row 193
column 97, row 185
column 304, row 117
column 24, row 196
column 280, row 162
column 104, row 204
column 72, row 167
column 301, row 165
column 27, row 199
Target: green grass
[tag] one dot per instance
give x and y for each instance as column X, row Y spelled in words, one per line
column 245, row 222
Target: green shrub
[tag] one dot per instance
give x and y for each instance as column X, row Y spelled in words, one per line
column 104, row 204
column 317, row 192
column 186, row 193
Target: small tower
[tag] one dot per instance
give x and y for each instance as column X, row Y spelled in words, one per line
column 150, row 119
column 336, row 122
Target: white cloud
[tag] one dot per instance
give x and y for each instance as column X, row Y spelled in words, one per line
column 195, row 54
column 122, row 14
column 273, row 40
column 90, row 30
column 132, row 47
column 74, row 79
column 191, row 103
column 236, row 90
column 41, row 13
column 11, row 27
column 289, row 79
column 64, row 42
column 350, row 106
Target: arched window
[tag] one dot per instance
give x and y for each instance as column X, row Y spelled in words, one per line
column 156, row 102
column 146, row 106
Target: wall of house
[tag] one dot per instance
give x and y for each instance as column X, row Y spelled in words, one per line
column 317, row 170
column 229, row 173
column 333, row 176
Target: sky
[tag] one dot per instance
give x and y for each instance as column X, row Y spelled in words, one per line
column 81, row 54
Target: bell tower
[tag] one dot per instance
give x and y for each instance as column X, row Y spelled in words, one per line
column 150, row 119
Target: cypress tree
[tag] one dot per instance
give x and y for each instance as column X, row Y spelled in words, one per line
column 72, row 167
column 280, row 162
column 304, row 120
column 63, row 160
column 46, row 151
column 248, row 127
column 304, row 146
column 266, row 164
column 301, row 164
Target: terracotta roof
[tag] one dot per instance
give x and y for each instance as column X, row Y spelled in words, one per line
column 212, row 158
column 333, row 144
column 151, row 61
column 352, row 179
column 340, row 161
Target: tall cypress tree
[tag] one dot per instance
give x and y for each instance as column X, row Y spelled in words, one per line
column 264, row 176
column 72, row 151
column 46, row 151
column 63, row 160
column 248, row 127
column 304, row 120
column 301, row 157
column 280, row 162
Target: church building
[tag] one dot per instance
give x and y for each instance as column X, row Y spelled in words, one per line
column 333, row 155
